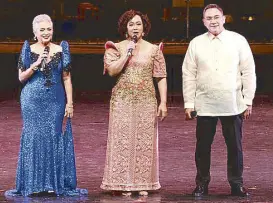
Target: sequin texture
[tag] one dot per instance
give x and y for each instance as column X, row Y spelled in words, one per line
column 46, row 157
column 132, row 145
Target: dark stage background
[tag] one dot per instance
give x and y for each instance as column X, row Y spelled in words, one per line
column 252, row 18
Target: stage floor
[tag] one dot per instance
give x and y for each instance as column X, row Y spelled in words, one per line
column 176, row 147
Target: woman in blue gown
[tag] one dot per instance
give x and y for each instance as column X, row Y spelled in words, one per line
column 46, row 158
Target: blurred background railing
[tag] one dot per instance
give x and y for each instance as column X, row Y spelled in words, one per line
column 96, row 20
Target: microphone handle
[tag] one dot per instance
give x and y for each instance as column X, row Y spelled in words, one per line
column 130, row 52
column 43, row 64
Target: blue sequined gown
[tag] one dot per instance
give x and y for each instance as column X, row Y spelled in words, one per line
column 46, row 158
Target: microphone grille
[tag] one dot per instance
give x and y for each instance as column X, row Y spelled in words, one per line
column 135, row 38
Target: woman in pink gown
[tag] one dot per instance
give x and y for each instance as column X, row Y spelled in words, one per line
column 132, row 147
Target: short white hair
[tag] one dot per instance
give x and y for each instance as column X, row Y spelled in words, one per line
column 38, row 19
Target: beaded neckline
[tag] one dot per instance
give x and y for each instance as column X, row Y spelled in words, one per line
column 55, row 55
column 47, row 71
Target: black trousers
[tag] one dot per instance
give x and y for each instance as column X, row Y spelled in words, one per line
column 232, row 132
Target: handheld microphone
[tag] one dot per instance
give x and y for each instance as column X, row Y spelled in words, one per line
column 193, row 114
column 43, row 63
column 131, row 50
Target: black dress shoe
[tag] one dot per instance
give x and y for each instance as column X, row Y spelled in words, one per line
column 200, row 191
column 239, row 191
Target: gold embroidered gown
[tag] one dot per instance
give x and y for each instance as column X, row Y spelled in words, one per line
column 132, row 146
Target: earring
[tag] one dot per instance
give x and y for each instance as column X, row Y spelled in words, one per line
column 143, row 34
column 35, row 38
column 126, row 35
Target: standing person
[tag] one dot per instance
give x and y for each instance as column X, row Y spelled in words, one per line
column 219, row 82
column 46, row 158
column 132, row 147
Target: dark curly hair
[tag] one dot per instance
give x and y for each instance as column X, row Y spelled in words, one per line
column 127, row 16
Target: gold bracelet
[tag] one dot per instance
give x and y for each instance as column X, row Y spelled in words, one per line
column 35, row 68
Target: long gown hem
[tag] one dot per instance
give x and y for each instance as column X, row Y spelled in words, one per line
column 130, row 187
column 132, row 145
column 46, row 160
column 68, row 192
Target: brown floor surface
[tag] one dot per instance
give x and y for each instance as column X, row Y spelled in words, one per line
column 176, row 146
